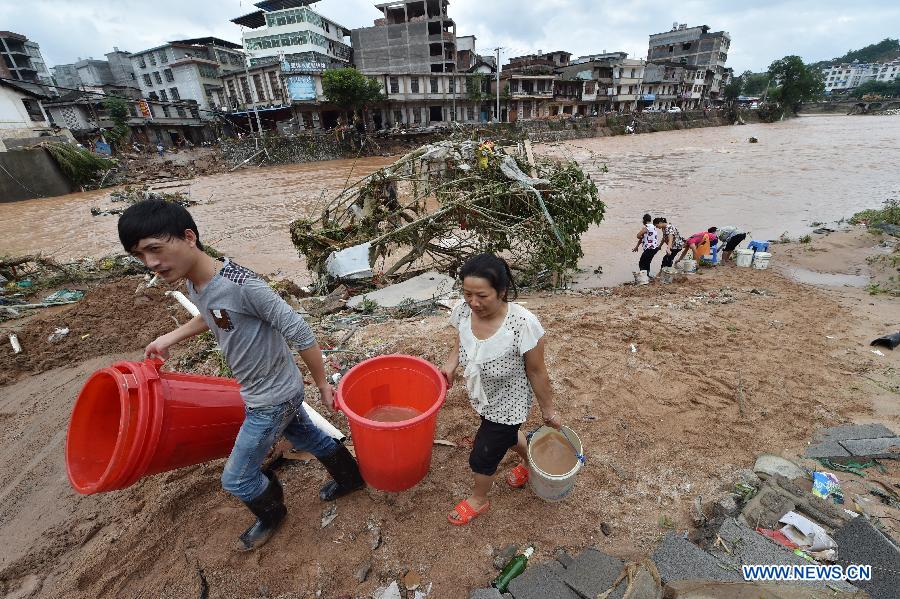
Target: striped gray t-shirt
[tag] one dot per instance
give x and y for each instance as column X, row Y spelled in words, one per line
column 253, row 326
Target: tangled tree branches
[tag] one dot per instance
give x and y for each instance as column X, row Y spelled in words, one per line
column 79, row 165
column 444, row 202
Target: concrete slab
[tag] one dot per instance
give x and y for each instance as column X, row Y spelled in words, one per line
column 826, row 449
column 883, row 447
column 700, row 589
column 677, row 558
column 853, row 431
column 428, row 286
column 593, row 572
column 490, row 593
column 540, row 582
column 774, row 464
column 748, row 547
column 861, row 543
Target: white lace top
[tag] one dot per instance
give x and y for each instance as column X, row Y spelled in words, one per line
column 494, row 368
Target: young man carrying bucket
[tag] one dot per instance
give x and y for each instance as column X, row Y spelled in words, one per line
column 253, row 326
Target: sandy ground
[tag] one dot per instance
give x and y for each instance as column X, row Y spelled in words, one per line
column 729, row 364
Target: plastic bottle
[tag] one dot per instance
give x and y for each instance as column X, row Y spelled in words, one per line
column 515, row 567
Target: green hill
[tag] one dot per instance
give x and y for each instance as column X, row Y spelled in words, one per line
column 886, row 50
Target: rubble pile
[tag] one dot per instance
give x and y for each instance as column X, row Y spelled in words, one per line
column 444, row 202
column 138, row 168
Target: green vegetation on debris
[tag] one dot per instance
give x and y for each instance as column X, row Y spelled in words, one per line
column 79, row 165
column 889, row 214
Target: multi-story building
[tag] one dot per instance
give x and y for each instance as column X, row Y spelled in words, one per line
column 23, row 119
column 842, row 78
column 694, row 46
column 188, row 70
column 95, row 75
column 20, row 58
column 414, row 36
column 530, row 85
column 662, row 85
column 288, row 30
column 65, row 76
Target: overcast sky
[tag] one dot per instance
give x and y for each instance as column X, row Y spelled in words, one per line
column 761, row 30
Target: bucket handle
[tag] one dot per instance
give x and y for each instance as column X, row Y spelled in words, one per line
column 580, row 456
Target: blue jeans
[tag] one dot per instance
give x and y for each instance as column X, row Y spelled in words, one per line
column 242, row 476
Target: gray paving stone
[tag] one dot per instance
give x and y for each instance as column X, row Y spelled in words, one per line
column 883, row 447
column 854, row 431
column 677, row 558
column 861, row 543
column 748, row 547
column 540, row 582
column 593, row 572
column 564, row 558
column 826, row 449
column 490, row 593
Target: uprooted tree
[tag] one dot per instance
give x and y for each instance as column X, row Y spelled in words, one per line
column 444, row 202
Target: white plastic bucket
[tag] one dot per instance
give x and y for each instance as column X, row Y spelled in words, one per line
column 667, row 274
column 743, row 258
column 688, row 265
column 761, row 260
column 550, row 487
column 641, row 277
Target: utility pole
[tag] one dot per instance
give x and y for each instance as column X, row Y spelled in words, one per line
column 498, row 83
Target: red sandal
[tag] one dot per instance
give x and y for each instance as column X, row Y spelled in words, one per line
column 517, row 477
column 466, row 513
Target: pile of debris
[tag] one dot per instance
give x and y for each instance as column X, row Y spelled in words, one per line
column 781, row 514
column 132, row 195
column 143, row 168
column 447, row 201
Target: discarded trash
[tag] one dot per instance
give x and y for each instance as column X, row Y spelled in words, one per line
column 888, row 341
column 64, row 295
column 412, row 581
column 14, row 341
column 852, row 466
column 24, row 284
column 825, row 485
column 329, row 514
column 427, row 287
column 185, row 302
column 58, row 334
column 805, row 533
column 778, row 537
column 877, row 353
column 513, row 569
column 444, row 443
column 753, row 140
column 633, row 348
column 392, row 591
column 351, row 263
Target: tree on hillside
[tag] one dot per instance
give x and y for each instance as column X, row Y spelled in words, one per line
column 350, row 90
column 886, row 49
column 797, row 83
column 881, row 88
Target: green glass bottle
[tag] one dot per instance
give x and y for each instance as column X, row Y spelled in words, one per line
column 515, row 567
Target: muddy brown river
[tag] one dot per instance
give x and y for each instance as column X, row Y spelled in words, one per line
column 805, row 170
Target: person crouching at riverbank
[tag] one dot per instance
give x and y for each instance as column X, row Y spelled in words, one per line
column 695, row 242
column 500, row 346
column 731, row 237
column 673, row 240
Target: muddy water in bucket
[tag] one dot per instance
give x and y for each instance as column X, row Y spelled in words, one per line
column 392, row 413
column 553, row 454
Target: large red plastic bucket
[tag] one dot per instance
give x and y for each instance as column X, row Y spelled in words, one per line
column 131, row 420
column 392, row 456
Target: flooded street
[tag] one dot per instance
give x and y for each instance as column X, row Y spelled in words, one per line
column 805, row 170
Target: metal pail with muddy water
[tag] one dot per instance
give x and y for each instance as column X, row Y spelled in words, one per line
column 554, row 460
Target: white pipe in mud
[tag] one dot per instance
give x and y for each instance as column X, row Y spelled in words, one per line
column 14, row 341
column 323, row 424
column 185, row 302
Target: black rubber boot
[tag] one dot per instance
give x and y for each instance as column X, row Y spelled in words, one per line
column 269, row 511
column 345, row 472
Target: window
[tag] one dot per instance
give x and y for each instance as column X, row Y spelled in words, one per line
column 142, row 62
column 417, row 115
column 260, row 90
column 153, row 96
column 398, row 116
column 156, row 77
column 181, row 112
column 163, row 56
column 169, row 76
column 414, row 85
column 395, row 85
column 33, row 108
column 175, row 95
column 163, row 96
column 274, row 84
column 195, row 112
column 152, row 59
column 166, row 111
column 245, row 88
column 147, row 80
column 470, row 113
column 435, row 85
column 452, row 85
